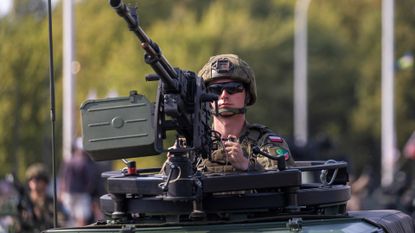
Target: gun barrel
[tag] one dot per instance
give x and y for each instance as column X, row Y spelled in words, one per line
column 115, row 3
column 123, row 11
column 154, row 56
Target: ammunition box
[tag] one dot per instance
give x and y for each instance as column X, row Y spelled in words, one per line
column 121, row 127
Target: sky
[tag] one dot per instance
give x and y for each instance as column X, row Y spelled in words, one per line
column 5, row 6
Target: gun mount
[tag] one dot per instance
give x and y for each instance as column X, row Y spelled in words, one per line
column 213, row 197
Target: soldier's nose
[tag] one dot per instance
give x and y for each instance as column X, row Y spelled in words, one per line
column 224, row 93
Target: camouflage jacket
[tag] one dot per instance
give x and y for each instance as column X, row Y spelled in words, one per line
column 252, row 134
column 38, row 216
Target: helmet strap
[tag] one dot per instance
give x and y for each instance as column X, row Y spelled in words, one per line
column 233, row 111
column 247, row 97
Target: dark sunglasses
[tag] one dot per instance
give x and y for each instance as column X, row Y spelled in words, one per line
column 231, row 88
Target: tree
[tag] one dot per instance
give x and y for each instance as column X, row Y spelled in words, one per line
column 24, row 93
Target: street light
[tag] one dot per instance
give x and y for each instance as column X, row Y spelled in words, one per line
column 388, row 127
column 68, row 79
column 300, row 73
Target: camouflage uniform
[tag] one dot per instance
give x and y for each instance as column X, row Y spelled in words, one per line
column 231, row 67
column 37, row 215
column 252, row 134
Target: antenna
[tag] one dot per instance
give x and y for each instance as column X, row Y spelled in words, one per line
column 52, row 111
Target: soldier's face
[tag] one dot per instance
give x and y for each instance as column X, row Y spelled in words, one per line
column 38, row 185
column 234, row 99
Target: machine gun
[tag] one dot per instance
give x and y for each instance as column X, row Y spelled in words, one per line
column 124, row 127
column 131, row 126
column 134, row 127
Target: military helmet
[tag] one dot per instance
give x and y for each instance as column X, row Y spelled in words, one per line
column 37, row 170
column 230, row 66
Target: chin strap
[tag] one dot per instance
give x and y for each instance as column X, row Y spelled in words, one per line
column 229, row 112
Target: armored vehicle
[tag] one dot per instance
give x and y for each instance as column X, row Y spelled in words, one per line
column 182, row 199
column 271, row 201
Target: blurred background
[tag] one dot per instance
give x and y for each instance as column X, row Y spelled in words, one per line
column 344, row 75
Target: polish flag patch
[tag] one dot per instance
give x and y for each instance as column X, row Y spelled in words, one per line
column 274, row 138
column 283, row 152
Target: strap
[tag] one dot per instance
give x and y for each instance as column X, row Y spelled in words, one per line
column 257, row 131
column 234, row 111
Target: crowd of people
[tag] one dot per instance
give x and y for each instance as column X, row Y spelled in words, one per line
column 29, row 206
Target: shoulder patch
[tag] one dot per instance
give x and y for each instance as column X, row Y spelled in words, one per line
column 275, row 138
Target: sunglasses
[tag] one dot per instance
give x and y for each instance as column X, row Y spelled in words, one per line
column 231, row 88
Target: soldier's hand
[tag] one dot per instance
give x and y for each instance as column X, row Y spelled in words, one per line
column 235, row 154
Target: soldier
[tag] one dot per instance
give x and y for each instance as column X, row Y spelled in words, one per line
column 233, row 80
column 37, row 206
